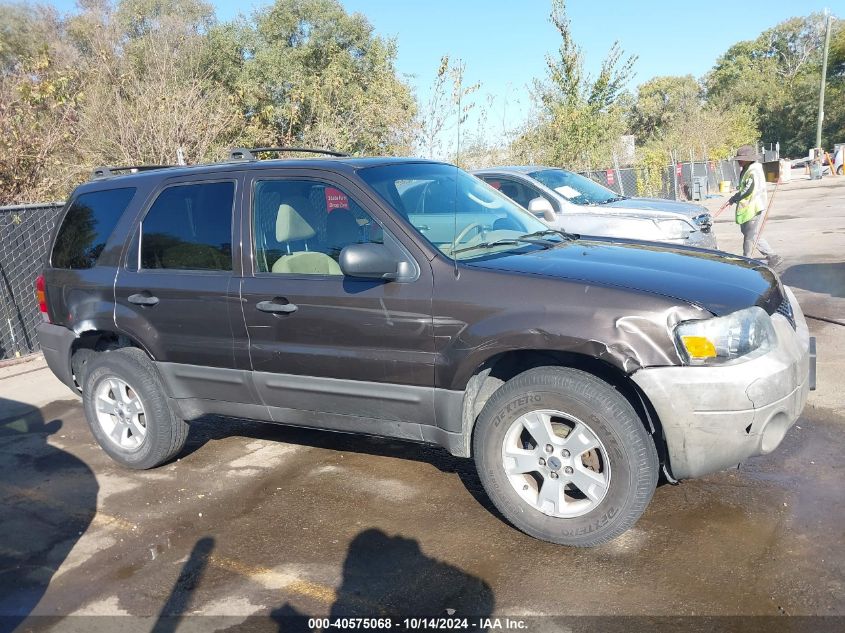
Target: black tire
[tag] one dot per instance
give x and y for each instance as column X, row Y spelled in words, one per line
column 630, row 452
column 165, row 433
column 79, row 364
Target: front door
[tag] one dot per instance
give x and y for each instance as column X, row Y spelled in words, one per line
column 320, row 341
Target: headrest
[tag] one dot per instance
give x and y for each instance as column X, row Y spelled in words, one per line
column 291, row 226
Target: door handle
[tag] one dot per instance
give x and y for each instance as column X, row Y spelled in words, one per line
column 143, row 299
column 276, row 308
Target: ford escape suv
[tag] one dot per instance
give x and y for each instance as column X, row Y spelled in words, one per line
column 405, row 298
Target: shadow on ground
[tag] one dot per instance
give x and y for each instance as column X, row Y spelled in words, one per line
column 821, row 278
column 48, row 498
column 391, row 576
column 178, row 602
column 383, row 576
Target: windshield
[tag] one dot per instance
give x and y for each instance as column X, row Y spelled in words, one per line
column 459, row 214
column 576, row 188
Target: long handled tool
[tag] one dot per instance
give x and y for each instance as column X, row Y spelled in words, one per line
column 765, row 216
column 722, row 208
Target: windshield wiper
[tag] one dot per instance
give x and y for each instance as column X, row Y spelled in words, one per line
column 567, row 236
column 508, row 241
column 614, row 199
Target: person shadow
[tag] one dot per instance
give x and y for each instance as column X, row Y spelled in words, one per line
column 48, row 498
column 390, row 576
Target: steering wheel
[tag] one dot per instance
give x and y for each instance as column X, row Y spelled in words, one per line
column 460, row 237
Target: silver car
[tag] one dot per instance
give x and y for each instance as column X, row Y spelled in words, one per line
column 583, row 206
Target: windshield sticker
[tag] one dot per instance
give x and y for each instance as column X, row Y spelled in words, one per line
column 568, row 192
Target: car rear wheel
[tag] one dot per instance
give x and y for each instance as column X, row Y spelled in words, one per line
column 564, row 457
column 127, row 409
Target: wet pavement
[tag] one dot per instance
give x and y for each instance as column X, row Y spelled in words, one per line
column 259, row 520
column 272, row 521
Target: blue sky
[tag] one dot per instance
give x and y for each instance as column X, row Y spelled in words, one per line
column 503, row 42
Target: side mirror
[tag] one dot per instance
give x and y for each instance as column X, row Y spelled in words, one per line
column 539, row 206
column 371, row 261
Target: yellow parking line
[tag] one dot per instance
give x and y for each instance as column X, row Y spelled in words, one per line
column 100, row 519
column 263, row 575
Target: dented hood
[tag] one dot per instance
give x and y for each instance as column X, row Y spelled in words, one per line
column 718, row 282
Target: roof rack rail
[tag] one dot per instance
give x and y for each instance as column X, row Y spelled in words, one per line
column 105, row 172
column 241, row 153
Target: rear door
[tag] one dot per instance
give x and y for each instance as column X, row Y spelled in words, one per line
column 341, row 345
column 177, row 290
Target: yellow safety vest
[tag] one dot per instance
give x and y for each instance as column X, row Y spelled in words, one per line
column 748, row 208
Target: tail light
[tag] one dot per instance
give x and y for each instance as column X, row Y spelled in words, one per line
column 41, row 297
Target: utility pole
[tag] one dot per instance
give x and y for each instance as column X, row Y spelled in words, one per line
column 824, row 80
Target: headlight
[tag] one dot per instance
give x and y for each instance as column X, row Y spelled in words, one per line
column 703, row 221
column 675, row 229
column 723, row 339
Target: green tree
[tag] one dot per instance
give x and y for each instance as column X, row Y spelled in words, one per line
column 777, row 74
column 670, row 114
column 38, row 123
column 307, row 72
column 146, row 90
column 834, row 120
column 662, row 103
column 579, row 117
column 27, row 31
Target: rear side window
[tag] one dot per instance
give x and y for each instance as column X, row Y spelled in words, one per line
column 87, row 225
column 189, row 227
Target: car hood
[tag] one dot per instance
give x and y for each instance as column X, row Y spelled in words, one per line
column 609, row 210
column 718, row 282
column 658, row 204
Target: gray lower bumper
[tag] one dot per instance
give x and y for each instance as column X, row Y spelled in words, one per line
column 56, row 342
column 716, row 417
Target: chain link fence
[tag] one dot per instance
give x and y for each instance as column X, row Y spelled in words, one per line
column 692, row 180
column 683, row 180
column 24, row 239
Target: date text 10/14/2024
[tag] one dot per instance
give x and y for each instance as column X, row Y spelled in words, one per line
column 419, row 624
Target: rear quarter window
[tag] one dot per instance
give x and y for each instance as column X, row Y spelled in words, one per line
column 89, row 221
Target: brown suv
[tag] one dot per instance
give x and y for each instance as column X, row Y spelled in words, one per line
column 408, row 299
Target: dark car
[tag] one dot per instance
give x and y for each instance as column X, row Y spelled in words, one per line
column 342, row 294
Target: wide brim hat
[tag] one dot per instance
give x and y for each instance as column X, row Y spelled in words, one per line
column 747, row 153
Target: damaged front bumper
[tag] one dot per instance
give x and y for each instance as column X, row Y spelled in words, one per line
column 716, row 417
column 701, row 239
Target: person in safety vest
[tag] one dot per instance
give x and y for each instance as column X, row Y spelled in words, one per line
column 751, row 201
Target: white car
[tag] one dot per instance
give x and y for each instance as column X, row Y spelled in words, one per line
column 583, row 206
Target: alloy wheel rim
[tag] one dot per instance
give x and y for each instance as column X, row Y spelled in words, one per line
column 556, row 463
column 120, row 413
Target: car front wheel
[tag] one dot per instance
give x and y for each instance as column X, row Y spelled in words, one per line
column 564, row 457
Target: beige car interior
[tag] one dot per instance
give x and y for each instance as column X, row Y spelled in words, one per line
column 292, row 227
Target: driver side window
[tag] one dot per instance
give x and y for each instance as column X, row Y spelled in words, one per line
column 517, row 191
column 301, row 226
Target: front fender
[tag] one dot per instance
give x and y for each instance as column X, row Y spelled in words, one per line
column 627, row 329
